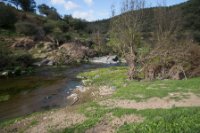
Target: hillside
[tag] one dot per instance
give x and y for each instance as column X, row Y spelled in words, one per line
column 189, row 19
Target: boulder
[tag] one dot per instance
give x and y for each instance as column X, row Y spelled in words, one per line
column 106, row 60
column 45, row 62
column 24, row 43
column 48, row 46
column 4, row 74
column 73, row 98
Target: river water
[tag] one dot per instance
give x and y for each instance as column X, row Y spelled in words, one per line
column 46, row 89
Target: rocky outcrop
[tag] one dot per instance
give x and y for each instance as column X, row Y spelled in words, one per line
column 70, row 53
column 24, row 43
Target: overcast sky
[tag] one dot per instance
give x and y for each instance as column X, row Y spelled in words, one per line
column 92, row 9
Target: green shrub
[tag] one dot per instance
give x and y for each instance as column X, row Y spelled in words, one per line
column 26, row 28
column 9, row 60
column 24, row 60
column 4, row 57
column 53, row 26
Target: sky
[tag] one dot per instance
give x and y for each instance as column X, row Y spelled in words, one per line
column 92, row 10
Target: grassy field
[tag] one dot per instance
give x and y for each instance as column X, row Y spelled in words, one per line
column 132, row 90
column 175, row 120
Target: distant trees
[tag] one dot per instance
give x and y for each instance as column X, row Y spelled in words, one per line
column 7, row 16
column 15, row 2
column 26, row 5
column 191, row 17
column 50, row 12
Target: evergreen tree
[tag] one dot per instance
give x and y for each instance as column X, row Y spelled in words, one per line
column 28, row 5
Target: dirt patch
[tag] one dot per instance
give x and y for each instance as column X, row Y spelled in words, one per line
column 110, row 123
column 106, row 91
column 184, row 100
column 51, row 121
column 126, row 119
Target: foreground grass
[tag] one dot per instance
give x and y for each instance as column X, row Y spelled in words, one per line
column 174, row 120
column 135, row 90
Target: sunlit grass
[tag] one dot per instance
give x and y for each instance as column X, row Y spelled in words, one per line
column 116, row 76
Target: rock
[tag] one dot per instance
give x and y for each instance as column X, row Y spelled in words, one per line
column 45, row 62
column 73, row 98
column 86, row 82
column 176, row 72
column 50, row 63
column 4, row 73
column 82, row 89
column 81, row 77
column 48, row 46
column 106, row 60
column 24, row 43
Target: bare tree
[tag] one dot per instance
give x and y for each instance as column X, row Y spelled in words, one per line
column 167, row 23
column 126, row 29
column 167, row 48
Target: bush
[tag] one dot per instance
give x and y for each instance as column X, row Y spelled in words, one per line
column 24, row 60
column 9, row 60
column 7, row 16
column 5, row 57
column 26, row 28
column 53, row 26
column 61, row 37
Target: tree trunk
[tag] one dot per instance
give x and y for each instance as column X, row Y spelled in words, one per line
column 131, row 61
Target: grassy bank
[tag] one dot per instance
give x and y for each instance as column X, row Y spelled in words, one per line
column 138, row 90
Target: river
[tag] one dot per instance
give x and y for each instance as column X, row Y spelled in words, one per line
column 46, row 89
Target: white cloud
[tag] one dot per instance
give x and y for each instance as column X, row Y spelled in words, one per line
column 87, row 15
column 88, row 2
column 58, row 1
column 69, row 5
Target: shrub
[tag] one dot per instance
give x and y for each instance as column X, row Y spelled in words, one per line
column 26, row 28
column 5, row 57
column 24, row 60
column 53, row 26
column 9, row 60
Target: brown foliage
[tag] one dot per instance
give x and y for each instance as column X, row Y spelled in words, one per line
column 173, row 61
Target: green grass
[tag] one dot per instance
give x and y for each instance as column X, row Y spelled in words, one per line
column 4, row 98
column 94, row 116
column 116, row 76
column 175, row 120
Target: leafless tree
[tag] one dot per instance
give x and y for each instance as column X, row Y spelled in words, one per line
column 167, row 23
column 126, row 29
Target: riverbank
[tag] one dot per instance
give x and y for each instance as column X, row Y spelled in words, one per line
column 130, row 106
